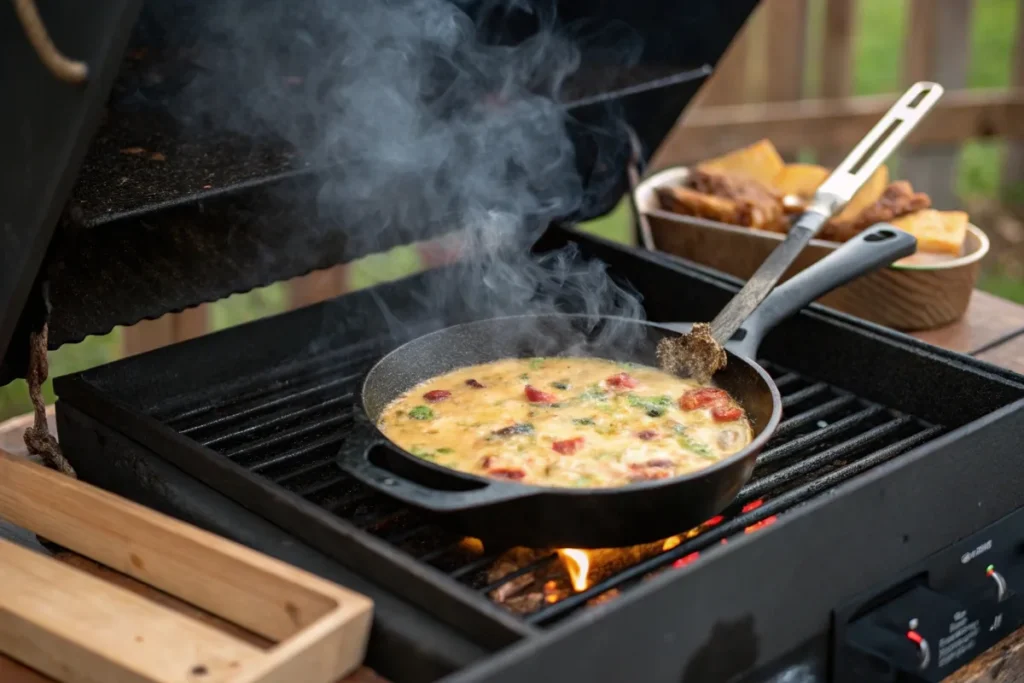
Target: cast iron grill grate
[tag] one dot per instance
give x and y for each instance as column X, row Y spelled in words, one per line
column 287, row 425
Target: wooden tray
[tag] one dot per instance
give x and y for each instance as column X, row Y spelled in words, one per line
column 905, row 296
column 75, row 627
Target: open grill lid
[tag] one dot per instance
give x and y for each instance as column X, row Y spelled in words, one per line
column 114, row 211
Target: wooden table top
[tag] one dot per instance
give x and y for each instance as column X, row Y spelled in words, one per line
column 992, row 330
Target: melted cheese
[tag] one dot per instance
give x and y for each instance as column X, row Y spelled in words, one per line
column 597, row 424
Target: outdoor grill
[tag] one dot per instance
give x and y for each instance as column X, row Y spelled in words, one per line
column 895, row 459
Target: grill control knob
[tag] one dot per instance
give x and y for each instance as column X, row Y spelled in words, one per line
column 924, row 653
column 1001, row 589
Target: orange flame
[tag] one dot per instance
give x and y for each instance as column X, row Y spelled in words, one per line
column 671, row 542
column 577, row 562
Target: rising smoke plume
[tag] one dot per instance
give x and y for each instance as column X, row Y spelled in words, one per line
column 428, row 114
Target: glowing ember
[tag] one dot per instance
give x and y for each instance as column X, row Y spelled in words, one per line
column 473, row 545
column 753, row 505
column 577, row 562
column 551, row 592
column 671, row 542
column 713, row 521
column 685, row 560
column 760, row 525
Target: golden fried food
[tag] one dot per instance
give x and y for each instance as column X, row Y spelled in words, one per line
column 759, row 161
column 759, row 206
column 899, row 199
column 687, row 202
column 800, row 180
column 869, row 193
column 941, row 232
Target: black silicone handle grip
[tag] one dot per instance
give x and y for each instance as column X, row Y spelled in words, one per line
column 874, row 248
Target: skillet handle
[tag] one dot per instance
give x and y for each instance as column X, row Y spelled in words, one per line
column 354, row 458
column 878, row 246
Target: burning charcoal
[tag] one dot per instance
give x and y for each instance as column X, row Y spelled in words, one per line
column 524, row 604
column 507, row 590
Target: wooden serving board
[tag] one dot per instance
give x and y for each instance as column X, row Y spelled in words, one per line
column 73, row 626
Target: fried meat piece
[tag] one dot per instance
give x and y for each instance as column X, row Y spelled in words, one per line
column 687, row 202
column 899, row 199
column 732, row 199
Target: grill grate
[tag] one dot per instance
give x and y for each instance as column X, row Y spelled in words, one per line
column 287, row 427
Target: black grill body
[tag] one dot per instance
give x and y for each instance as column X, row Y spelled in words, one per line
column 236, row 432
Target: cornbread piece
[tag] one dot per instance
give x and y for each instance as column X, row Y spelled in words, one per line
column 937, row 232
column 759, row 161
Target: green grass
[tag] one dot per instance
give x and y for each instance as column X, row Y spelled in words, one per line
column 878, row 69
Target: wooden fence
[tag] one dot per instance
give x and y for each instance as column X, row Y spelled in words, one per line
column 758, row 91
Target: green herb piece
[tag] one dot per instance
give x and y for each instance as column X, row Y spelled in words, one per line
column 654, row 406
column 695, row 446
column 561, row 384
column 421, row 452
column 445, row 451
column 594, row 393
column 536, row 363
column 421, row 413
column 524, row 377
column 583, row 421
column 583, row 480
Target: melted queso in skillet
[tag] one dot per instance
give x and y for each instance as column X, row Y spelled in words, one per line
column 572, row 422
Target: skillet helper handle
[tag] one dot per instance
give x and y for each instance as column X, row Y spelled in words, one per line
column 878, row 246
column 833, row 194
column 354, row 458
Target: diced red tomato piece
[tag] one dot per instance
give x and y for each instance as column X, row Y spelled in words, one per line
column 534, row 395
column 621, row 381
column 647, row 435
column 726, row 412
column 437, row 395
column 569, row 446
column 701, row 398
column 511, row 473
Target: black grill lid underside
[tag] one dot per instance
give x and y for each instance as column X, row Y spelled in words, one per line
column 227, row 209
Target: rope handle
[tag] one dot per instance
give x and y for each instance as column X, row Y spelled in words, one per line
column 38, row 439
column 67, row 70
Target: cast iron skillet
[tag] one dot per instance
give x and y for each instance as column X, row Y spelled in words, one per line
column 503, row 512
